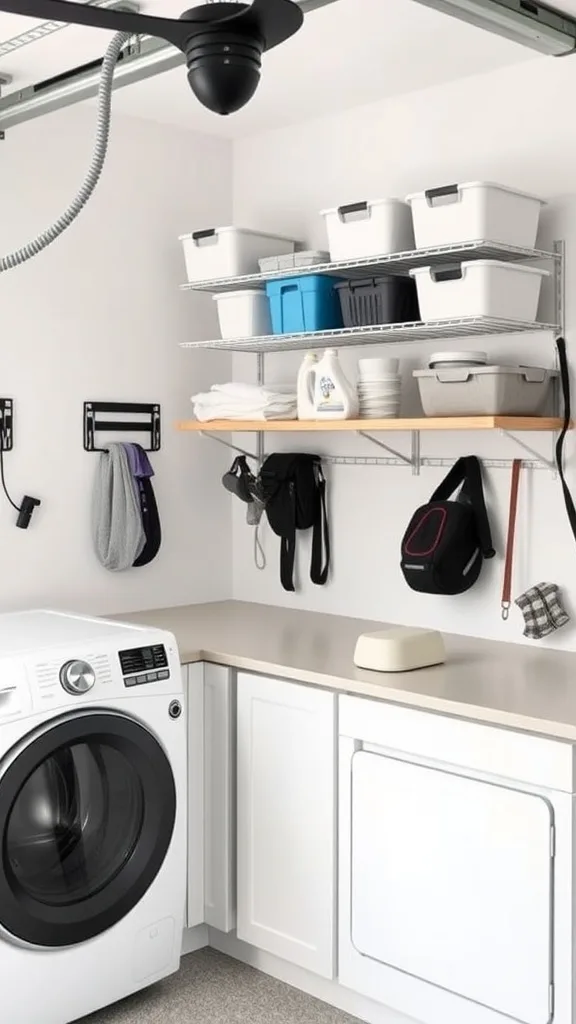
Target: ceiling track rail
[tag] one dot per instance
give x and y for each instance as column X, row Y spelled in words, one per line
column 144, row 59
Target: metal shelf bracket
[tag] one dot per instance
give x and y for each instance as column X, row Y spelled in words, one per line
column 232, row 447
column 416, row 454
column 414, row 459
column 548, row 463
column 386, row 447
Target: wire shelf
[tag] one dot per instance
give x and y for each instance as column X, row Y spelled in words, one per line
column 465, row 327
column 395, row 264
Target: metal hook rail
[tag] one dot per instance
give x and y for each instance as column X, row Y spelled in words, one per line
column 398, row 459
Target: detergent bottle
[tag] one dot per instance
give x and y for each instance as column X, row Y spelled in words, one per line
column 334, row 397
column 305, row 387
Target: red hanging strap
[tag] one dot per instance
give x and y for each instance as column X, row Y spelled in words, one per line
column 507, row 587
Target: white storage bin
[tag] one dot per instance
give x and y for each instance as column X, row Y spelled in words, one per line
column 479, row 288
column 473, row 211
column 487, row 391
column 229, row 252
column 364, row 229
column 244, row 314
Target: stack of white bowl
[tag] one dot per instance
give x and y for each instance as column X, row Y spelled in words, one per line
column 379, row 388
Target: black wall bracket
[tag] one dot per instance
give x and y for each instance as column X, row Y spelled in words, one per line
column 151, row 425
column 6, row 424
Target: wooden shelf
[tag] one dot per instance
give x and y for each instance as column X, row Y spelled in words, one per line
column 316, row 426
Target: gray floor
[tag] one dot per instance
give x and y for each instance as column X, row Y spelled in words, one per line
column 213, row 989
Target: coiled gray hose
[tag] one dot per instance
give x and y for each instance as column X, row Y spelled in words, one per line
column 95, row 170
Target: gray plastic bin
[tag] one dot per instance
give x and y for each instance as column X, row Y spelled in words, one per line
column 487, row 391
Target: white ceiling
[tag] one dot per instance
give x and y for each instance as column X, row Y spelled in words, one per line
column 348, row 53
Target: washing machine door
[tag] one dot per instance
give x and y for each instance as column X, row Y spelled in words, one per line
column 87, row 811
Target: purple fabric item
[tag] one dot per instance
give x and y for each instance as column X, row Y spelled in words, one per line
column 138, row 461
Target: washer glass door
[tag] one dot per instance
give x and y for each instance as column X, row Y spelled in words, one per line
column 87, row 809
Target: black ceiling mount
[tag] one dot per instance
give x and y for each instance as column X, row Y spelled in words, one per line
column 223, row 42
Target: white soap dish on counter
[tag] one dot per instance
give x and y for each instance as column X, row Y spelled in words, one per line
column 399, row 649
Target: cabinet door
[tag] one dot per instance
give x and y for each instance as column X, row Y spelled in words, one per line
column 219, row 798
column 286, row 820
column 194, row 687
column 452, row 882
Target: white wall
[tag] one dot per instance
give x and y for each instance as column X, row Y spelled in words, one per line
column 512, row 126
column 99, row 316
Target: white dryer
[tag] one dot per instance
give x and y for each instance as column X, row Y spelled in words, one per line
column 92, row 813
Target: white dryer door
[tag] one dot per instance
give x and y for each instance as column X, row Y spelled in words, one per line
column 452, row 883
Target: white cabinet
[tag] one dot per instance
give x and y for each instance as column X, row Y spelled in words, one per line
column 219, row 798
column 286, row 820
column 193, row 677
column 456, row 891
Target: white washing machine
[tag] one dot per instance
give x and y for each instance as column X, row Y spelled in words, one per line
column 92, row 814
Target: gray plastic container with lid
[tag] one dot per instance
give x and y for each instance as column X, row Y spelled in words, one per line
column 487, row 391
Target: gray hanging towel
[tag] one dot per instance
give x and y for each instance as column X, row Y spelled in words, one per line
column 117, row 531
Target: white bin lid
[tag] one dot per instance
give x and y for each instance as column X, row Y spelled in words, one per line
column 369, row 204
column 531, row 374
column 241, row 231
column 482, row 263
column 481, row 184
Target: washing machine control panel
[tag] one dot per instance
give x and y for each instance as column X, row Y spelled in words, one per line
column 142, row 665
column 77, row 677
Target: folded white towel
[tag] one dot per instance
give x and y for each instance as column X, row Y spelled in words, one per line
column 248, row 395
column 255, row 392
column 212, row 400
column 217, row 398
column 231, row 409
column 206, row 413
column 234, row 401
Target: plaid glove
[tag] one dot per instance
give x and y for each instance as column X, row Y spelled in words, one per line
column 542, row 609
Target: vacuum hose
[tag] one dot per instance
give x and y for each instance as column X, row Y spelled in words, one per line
column 95, row 170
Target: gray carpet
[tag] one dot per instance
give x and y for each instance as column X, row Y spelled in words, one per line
column 213, row 989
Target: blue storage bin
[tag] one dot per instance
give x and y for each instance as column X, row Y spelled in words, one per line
column 307, row 303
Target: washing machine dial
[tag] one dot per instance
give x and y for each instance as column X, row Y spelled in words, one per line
column 77, row 677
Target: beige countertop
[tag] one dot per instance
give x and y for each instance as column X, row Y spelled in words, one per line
column 529, row 688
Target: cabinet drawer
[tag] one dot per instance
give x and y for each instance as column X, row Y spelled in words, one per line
column 505, row 753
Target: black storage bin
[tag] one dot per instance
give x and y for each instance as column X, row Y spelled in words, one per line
column 378, row 300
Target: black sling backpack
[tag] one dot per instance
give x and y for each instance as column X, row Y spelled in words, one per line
column 294, row 490
column 447, row 541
